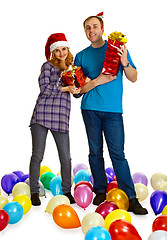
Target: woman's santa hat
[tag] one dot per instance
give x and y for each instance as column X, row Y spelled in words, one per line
column 55, row 40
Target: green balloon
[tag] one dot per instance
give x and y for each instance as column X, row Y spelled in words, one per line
column 46, row 178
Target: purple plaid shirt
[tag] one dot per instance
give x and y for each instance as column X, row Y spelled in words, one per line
column 52, row 109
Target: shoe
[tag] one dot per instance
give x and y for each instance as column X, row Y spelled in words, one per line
column 70, row 197
column 100, row 197
column 35, row 199
column 136, row 208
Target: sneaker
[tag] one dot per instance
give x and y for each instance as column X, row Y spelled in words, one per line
column 136, row 207
column 70, row 197
column 100, row 197
column 35, row 199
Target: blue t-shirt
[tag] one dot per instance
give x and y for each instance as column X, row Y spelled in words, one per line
column 106, row 97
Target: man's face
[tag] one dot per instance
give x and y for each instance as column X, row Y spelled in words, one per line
column 93, row 30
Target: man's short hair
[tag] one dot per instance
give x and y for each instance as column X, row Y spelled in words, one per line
column 99, row 18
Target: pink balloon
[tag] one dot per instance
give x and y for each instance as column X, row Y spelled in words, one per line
column 105, row 208
column 83, row 196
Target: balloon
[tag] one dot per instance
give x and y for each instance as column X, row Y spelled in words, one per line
column 82, row 175
column 83, row 196
column 91, row 179
column 78, row 167
column 55, row 186
column 56, row 201
column 24, row 177
column 21, row 188
column 164, row 211
column 158, row 235
column 139, row 178
column 3, row 201
column 44, row 169
column 4, row 219
column 66, row 217
column 158, row 201
column 116, row 215
column 8, row 181
column 112, row 185
column 110, row 171
column 85, row 183
column 105, row 208
column 92, row 220
column 163, row 187
column 15, row 212
column 97, row 233
column 141, row 191
column 123, row 230
column 119, row 197
column 19, row 174
column 46, row 179
column 157, row 179
column 160, row 223
column 24, row 201
column 109, row 178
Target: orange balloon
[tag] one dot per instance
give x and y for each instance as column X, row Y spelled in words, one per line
column 66, row 217
column 119, row 197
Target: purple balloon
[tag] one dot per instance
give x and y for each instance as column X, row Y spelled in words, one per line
column 8, row 181
column 140, row 178
column 158, row 201
column 20, row 174
column 109, row 178
column 110, row 171
column 79, row 166
column 105, row 208
column 24, row 177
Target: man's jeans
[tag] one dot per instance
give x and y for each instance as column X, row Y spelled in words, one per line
column 110, row 124
column 39, row 134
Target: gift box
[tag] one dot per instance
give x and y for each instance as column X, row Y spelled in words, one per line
column 73, row 76
column 112, row 59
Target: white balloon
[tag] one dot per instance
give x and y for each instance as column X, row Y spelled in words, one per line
column 158, row 235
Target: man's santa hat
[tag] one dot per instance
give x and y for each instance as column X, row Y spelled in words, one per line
column 55, row 40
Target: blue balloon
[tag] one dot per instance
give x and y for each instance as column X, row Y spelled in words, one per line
column 109, row 178
column 110, row 171
column 55, row 186
column 8, row 181
column 97, row 233
column 19, row 174
column 15, row 212
column 82, row 175
column 158, row 201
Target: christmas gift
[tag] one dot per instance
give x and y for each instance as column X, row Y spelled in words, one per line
column 73, row 76
column 112, row 59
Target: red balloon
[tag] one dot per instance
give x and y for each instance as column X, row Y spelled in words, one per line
column 160, row 223
column 114, row 178
column 85, row 183
column 112, row 185
column 105, row 208
column 123, row 230
column 4, row 219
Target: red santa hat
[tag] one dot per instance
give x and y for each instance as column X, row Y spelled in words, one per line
column 55, row 40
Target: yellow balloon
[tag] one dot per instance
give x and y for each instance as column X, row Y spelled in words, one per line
column 3, row 201
column 44, row 169
column 141, row 191
column 119, row 197
column 92, row 220
column 55, row 201
column 163, row 187
column 24, row 201
column 21, row 189
column 116, row 215
column 157, row 179
column 164, row 212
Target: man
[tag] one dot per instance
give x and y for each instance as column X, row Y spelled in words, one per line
column 102, row 113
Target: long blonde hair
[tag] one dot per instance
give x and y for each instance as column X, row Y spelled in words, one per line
column 56, row 62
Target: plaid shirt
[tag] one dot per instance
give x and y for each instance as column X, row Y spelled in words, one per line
column 52, row 109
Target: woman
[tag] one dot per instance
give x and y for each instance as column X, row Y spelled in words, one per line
column 52, row 112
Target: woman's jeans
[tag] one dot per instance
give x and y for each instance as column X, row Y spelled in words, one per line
column 39, row 134
column 110, row 124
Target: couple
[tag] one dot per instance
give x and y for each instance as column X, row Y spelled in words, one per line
column 101, row 110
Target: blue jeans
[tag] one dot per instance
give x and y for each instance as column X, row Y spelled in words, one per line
column 39, row 134
column 111, row 125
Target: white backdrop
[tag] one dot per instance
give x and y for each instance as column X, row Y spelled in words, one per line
column 25, row 26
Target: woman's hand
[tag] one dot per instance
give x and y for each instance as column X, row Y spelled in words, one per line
column 73, row 90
